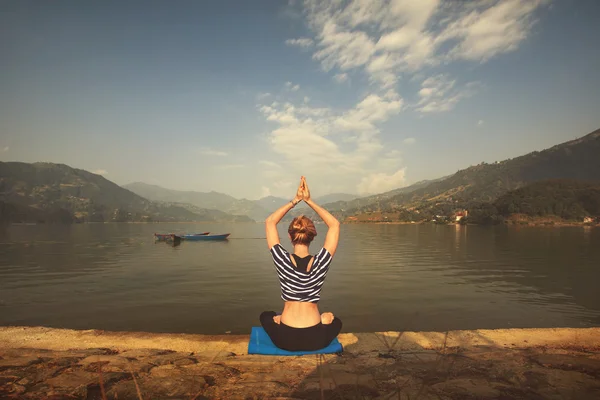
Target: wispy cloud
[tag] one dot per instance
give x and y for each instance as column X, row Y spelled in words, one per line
column 485, row 29
column 207, row 151
column 100, row 171
column 334, row 145
column 480, row 122
column 340, row 78
column 300, row 42
column 262, row 96
column 439, row 93
column 230, row 166
column 387, row 41
column 291, row 87
column 5, row 149
column 264, row 192
column 389, row 38
column 382, row 182
column 269, row 164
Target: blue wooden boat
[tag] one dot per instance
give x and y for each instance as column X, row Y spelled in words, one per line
column 161, row 237
column 175, row 240
column 205, row 237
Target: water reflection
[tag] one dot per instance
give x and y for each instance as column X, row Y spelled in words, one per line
column 384, row 277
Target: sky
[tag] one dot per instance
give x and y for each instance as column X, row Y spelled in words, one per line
column 244, row 97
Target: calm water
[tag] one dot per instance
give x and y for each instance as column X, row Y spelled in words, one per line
column 384, row 277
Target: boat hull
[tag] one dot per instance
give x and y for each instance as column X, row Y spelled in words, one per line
column 168, row 236
column 198, row 238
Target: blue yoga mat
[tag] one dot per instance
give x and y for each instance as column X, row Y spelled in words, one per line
column 260, row 343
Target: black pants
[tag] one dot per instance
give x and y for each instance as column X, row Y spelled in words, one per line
column 295, row 339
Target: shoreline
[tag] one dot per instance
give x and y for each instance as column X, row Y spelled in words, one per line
column 65, row 339
column 552, row 224
column 39, row 362
column 509, row 223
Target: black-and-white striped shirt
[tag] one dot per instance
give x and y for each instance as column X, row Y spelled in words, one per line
column 298, row 285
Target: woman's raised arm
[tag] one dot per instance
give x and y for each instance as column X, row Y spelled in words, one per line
column 273, row 219
column 333, row 233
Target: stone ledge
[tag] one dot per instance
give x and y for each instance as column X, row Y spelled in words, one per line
column 64, row 339
column 46, row 363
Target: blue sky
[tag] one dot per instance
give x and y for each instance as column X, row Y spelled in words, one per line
column 244, row 97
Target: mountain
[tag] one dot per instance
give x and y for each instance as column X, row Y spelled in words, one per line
column 50, row 192
column 340, row 205
column 577, row 160
column 545, row 201
column 335, row 197
column 211, row 200
column 271, row 203
column 567, row 199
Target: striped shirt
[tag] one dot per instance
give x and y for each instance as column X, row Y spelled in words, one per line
column 298, row 285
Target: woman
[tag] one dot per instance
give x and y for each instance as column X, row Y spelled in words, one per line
column 301, row 276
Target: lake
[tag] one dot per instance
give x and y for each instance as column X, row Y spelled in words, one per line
column 383, row 277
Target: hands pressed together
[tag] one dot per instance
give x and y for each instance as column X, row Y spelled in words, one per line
column 302, row 193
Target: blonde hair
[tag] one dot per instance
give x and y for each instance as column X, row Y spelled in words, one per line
column 302, row 230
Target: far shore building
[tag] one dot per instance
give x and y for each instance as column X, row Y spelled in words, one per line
column 460, row 215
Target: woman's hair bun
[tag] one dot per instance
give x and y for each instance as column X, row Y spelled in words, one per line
column 302, row 230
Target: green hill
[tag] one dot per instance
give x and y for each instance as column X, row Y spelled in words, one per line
column 546, row 201
column 576, row 160
column 568, row 200
column 373, row 200
column 47, row 192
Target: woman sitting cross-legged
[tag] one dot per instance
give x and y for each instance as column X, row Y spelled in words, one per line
column 301, row 276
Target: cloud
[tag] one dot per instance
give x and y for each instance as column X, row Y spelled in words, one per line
column 388, row 39
column 488, row 29
column 100, row 172
column 340, row 78
column 285, row 184
column 300, row 42
column 381, row 182
column 370, row 110
column 338, row 146
column 270, row 164
column 5, row 149
column 230, row 166
column 291, row 87
column 480, row 122
column 440, row 93
column 207, row 151
column 264, row 192
column 262, row 96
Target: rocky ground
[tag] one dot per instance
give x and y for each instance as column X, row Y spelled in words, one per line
column 44, row 363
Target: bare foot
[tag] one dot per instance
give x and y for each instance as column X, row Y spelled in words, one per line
column 277, row 319
column 327, row 318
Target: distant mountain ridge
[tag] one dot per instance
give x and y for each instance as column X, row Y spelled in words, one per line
column 207, row 200
column 577, row 159
column 376, row 198
column 255, row 209
column 45, row 192
column 57, row 192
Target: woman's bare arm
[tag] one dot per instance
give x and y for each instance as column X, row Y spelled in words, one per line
column 333, row 233
column 273, row 219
